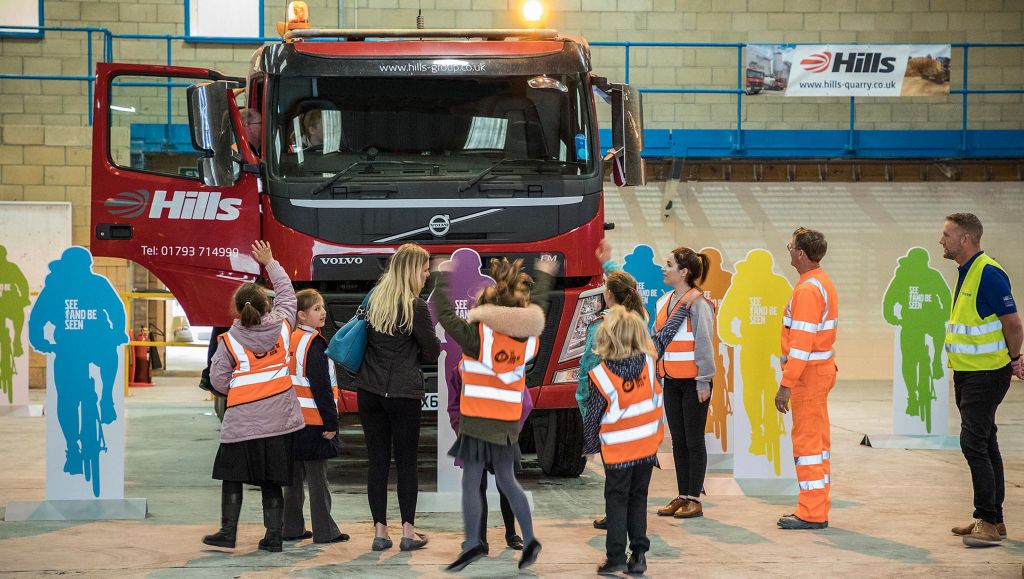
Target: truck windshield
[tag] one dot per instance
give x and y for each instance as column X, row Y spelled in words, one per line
column 409, row 128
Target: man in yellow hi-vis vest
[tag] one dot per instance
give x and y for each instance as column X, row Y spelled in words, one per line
column 983, row 341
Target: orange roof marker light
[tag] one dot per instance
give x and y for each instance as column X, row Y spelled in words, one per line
column 533, row 11
column 296, row 16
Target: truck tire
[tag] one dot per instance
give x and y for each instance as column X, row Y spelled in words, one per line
column 558, row 435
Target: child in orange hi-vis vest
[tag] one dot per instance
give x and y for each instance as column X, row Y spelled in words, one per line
column 316, row 387
column 499, row 339
column 625, row 422
column 250, row 367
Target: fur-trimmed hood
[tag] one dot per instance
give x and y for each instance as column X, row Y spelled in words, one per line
column 513, row 322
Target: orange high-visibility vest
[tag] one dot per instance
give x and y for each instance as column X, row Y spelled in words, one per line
column 298, row 350
column 493, row 385
column 809, row 325
column 633, row 424
column 258, row 376
column 678, row 360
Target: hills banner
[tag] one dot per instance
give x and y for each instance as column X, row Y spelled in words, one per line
column 878, row 70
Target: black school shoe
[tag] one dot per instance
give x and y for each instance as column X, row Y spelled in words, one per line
column 530, row 552
column 304, row 535
column 467, row 557
column 611, row 568
column 601, row 523
column 341, row 538
column 637, row 564
column 514, row 542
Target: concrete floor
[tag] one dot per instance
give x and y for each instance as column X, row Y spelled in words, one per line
column 892, row 510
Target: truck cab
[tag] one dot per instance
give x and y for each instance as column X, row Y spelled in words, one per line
column 359, row 141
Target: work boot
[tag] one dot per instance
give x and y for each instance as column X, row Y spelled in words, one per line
column 273, row 520
column 966, row 529
column 983, row 534
column 672, row 507
column 230, row 507
column 793, row 522
column 690, row 510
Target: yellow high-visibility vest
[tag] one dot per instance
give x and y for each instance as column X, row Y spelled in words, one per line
column 973, row 343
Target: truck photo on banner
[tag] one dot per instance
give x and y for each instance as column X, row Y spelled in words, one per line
column 846, row 70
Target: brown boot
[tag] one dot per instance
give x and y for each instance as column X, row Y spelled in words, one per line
column 982, row 535
column 671, row 508
column 690, row 510
column 1001, row 527
column 966, row 529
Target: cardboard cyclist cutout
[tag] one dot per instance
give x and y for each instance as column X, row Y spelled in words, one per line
column 78, row 321
column 750, row 320
column 719, row 424
column 14, row 298
column 917, row 303
column 641, row 264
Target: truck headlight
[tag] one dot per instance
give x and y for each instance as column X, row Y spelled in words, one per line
column 587, row 308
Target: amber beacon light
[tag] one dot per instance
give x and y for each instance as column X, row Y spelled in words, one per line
column 296, row 16
column 533, row 11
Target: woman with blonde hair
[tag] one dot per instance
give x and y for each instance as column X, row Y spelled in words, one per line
column 399, row 338
column 624, row 422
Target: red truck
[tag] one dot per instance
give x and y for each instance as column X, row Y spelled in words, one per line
column 369, row 139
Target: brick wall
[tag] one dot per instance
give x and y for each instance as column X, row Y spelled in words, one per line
column 35, row 102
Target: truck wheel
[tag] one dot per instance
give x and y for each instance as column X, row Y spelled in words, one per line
column 558, row 435
column 220, row 404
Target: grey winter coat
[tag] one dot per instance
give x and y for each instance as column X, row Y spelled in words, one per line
column 272, row 416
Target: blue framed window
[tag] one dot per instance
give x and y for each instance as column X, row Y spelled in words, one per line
column 227, row 21
column 23, row 13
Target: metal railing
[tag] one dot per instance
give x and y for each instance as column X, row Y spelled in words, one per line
column 109, row 37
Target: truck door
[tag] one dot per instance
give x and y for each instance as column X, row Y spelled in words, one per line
column 149, row 202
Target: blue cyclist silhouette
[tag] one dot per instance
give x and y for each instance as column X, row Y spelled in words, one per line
column 650, row 282
column 88, row 327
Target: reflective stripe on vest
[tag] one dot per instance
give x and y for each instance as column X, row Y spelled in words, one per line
column 257, row 377
column 493, row 386
column 301, row 342
column 813, row 459
column 632, row 427
column 973, row 343
column 814, row 485
column 810, row 327
column 678, row 360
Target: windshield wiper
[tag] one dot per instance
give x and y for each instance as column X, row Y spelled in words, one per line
column 476, row 178
column 336, row 178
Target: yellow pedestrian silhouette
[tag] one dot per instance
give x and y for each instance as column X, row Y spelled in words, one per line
column 715, row 287
column 751, row 318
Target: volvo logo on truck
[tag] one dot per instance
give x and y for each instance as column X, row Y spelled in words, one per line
column 341, row 260
column 439, row 225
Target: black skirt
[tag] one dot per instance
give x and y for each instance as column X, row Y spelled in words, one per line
column 470, row 449
column 258, row 461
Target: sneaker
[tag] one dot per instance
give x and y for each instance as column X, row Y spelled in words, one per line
column 672, row 507
column 982, row 535
column 793, row 522
column 611, row 568
column 690, row 510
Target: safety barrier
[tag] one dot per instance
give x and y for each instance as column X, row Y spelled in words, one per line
column 735, row 142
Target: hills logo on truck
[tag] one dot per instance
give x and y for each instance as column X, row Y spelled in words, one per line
column 192, row 205
column 867, row 62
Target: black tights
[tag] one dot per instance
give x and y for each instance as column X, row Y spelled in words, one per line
column 269, row 492
column 507, row 516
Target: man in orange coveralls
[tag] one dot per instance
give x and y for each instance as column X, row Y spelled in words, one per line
column 808, row 374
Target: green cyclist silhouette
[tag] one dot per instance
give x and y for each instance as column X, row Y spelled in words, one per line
column 14, row 298
column 918, row 302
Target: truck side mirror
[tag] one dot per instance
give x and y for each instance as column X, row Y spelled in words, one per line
column 628, row 131
column 210, row 120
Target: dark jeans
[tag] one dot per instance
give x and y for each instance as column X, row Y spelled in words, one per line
column 978, row 395
column 687, row 418
column 390, row 423
column 625, row 504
